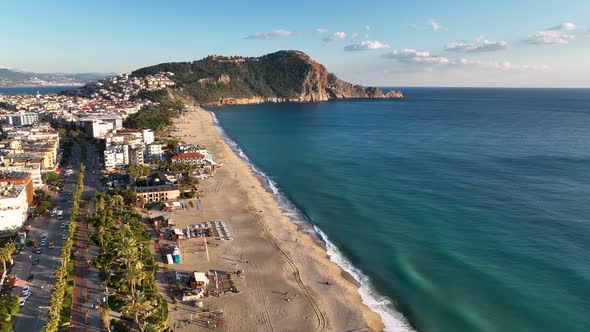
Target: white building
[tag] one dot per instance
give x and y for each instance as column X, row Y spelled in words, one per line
column 116, row 156
column 148, row 136
column 136, row 154
column 22, row 118
column 98, row 128
column 13, row 205
column 117, row 121
column 154, row 151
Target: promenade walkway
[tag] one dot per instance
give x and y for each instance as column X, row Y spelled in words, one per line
column 86, row 295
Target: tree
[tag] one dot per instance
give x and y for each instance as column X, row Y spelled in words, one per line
column 9, row 304
column 138, row 171
column 6, row 253
column 117, row 200
column 147, row 327
column 133, row 276
column 129, row 196
column 100, row 233
column 105, row 315
column 50, row 179
column 42, row 206
column 136, row 303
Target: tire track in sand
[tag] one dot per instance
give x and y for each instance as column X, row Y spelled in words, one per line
column 262, row 299
column 322, row 325
column 217, row 187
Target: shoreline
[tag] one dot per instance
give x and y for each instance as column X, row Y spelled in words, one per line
column 301, row 250
column 391, row 320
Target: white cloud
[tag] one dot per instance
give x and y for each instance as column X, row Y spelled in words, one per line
column 336, row 36
column 320, row 30
column 500, row 65
column 271, row 35
column 554, row 35
column 411, row 55
column 549, row 37
column 366, row 28
column 366, row 45
column 354, row 35
column 565, row 26
column 479, row 45
column 434, row 25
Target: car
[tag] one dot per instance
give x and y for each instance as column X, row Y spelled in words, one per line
column 25, row 296
column 44, row 236
column 63, row 225
column 38, row 251
column 43, row 242
column 36, row 261
column 51, row 245
column 31, row 277
column 25, row 290
column 21, row 302
column 64, row 237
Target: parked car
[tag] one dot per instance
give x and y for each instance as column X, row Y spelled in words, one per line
column 25, row 296
column 63, row 237
column 51, row 245
column 31, row 277
column 38, row 251
column 21, row 302
column 43, row 242
column 36, row 261
column 25, row 290
column 63, row 225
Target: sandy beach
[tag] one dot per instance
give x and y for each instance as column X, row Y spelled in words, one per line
column 284, row 288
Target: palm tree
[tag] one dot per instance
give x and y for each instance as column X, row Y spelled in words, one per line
column 147, row 327
column 136, row 303
column 105, row 315
column 100, row 232
column 6, row 253
column 134, row 276
column 99, row 203
column 117, row 200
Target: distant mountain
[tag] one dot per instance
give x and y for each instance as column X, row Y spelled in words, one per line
column 13, row 78
column 277, row 77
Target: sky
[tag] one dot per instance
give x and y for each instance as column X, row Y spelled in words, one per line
column 516, row 43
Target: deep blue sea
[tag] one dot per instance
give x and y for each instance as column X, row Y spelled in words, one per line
column 459, row 209
column 33, row 90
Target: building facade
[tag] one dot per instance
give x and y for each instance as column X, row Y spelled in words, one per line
column 20, row 119
column 16, row 195
column 158, row 193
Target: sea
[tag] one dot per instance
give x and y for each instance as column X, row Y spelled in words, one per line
column 456, row 209
column 33, row 90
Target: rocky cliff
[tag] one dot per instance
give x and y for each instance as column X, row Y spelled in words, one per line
column 284, row 76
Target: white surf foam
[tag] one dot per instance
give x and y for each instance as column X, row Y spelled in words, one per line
column 382, row 305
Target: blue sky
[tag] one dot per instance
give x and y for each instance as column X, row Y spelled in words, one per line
column 388, row 43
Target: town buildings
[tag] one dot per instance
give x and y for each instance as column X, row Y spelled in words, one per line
column 16, row 195
column 20, row 119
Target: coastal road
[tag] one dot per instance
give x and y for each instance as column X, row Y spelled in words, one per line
column 33, row 314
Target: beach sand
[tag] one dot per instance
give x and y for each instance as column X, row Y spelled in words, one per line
column 279, row 260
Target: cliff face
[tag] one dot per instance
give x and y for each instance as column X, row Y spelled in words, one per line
column 284, row 76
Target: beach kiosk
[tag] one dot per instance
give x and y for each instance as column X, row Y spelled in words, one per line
column 199, row 280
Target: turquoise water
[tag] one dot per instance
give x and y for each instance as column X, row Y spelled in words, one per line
column 467, row 208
